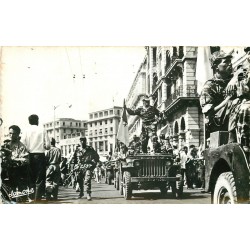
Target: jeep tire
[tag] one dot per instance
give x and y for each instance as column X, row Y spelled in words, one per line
column 225, row 189
column 127, row 187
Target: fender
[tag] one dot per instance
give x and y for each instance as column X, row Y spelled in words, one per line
column 229, row 157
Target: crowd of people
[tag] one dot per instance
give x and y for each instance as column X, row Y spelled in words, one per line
column 32, row 167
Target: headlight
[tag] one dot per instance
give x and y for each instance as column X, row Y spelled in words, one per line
column 168, row 163
column 136, row 163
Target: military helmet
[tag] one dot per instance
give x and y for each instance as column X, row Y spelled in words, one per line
column 145, row 99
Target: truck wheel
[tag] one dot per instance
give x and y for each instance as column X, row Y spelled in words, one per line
column 109, row 177
column 225, row 189
column 117, row 181
column 120, row 184
column 127, row 188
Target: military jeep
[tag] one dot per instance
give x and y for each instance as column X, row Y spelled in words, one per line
column 149, row 171
column 226, row 170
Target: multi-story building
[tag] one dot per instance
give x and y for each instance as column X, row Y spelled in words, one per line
column 134, row 99
column 102, row 129
column 67, row 133
column 167, row 75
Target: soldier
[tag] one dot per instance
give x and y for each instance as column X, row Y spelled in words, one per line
column 135, row 145
column 150, row 117
column 53, row 173
column 215, row 102
column 86, row 158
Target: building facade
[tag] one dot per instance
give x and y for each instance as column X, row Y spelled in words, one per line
column 167, row 75
column 67, row 133
column 102, row 129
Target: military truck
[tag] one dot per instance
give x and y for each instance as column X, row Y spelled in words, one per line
column 226, row 170
column 149, row 171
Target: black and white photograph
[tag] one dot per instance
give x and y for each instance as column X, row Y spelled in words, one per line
column 124, row 124
column 121, row 125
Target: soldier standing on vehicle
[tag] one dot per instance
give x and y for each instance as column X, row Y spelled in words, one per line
column 150, row 117
column 86, row 158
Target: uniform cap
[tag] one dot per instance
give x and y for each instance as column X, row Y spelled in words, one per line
column 219, row 55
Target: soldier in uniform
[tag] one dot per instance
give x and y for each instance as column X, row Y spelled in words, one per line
column 215, row 102
column 135, row 145
column 150, row 116
column 86, row 158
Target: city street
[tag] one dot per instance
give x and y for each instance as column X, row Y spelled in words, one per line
column 106, row 194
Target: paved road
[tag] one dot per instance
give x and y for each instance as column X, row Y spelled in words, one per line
column 106, row 194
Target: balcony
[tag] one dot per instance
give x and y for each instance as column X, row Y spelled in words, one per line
column 191, row 91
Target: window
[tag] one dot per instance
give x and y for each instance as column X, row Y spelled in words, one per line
column 101, row 146
column 118, row 112
column 90, row 124
column 76, row 124
column 111, row 120
column 80, row 124
column 64, row 131
column 154, row 57
column 106, row 122
column 100, row 131
column 100, row 123
column 111, row 112
column 72, row 130
column 96, row 115
column 63, row 123
column 100, row 114
column 70, row 123
column 111, row 129
column 91, row 116
column 57, row 123
column 96, row 145
column 96, row 123
column 106, row 145
column 106, row 130
column 106, row 113
column 65, row 136
column 96, row 132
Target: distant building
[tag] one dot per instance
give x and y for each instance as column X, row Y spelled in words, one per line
column 102, row 129
column 67, row 133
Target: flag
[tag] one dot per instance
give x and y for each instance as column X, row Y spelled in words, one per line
column 122, row 134
column 204, row 71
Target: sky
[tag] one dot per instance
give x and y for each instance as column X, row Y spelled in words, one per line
column 37, row 79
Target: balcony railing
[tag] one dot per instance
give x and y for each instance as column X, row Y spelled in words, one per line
column 191, row 91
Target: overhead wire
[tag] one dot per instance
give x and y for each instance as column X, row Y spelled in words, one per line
column 73, row 75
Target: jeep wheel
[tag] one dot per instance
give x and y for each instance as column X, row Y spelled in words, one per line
column 120, row 184
column 109, row 177
column 127, row 188
column 225, row 189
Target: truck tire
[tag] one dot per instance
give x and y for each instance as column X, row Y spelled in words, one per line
column 225, row 189
column 120, row 184
column 109, row 177
column 127, row 187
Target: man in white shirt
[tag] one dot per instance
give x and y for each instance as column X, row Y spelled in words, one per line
column 36, row 140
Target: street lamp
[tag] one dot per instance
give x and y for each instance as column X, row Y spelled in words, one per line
column 54, row 120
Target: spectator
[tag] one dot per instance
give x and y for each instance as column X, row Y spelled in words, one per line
column 36, row 140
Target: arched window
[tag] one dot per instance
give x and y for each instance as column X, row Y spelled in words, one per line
column 183, row 125
column 176, row 128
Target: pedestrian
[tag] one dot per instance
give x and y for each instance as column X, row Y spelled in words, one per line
column 17, row 165
column 36, row 141
column 150, row 117
column 53, row 173
column 98, row 174
column 191, row 166
column 183, row 160
column 86, row 158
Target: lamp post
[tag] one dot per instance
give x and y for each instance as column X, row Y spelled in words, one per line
column 54, row 119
